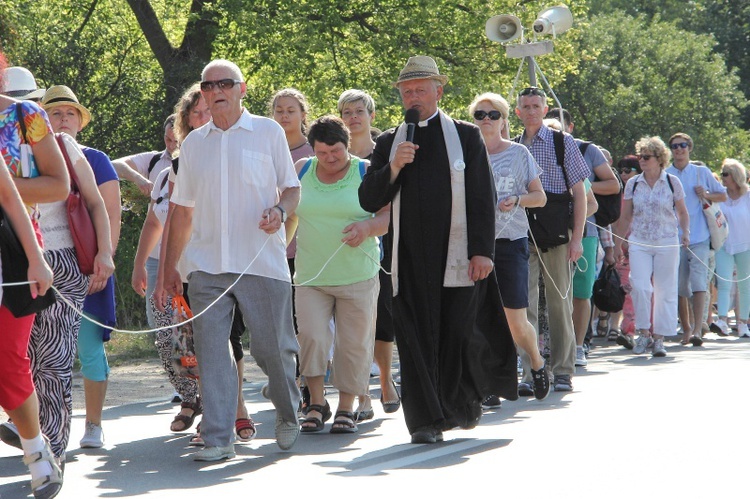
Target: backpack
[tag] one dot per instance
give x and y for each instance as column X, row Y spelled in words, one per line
column 609, row 295
column 609, row 204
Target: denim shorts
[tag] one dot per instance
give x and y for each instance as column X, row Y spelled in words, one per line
column 512, row 270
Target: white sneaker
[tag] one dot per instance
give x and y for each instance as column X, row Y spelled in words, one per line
column 641, row 344
column 215, row 453
column 658, row 349
column 581, row 357
column 93, row 437
column 719, row 327
column 742, row 330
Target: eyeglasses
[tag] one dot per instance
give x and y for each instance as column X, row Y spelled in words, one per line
column 678, row 145
column 532, row 91
column 494, row 115
column 623, row 171
column 725, row 174
column 224, row 84
column 646, row 157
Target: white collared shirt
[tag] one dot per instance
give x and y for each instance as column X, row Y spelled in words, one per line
column 229, row 178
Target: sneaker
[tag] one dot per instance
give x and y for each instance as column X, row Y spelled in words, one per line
column 641, row 344
column 720, row 327
column 525, row 390
column 519, row 365
column 286, row 433
column 214, row 453
column 563, row 383
column 491, row 402
column 374, row 370
column 9, row 434
column 742, row 330
column 581, row 357
column 541, row 383
column 176, row 398
column 659, row 350
column 625, row 340
column 93, row 436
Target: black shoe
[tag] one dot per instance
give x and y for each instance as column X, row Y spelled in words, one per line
column 491, row 402
column 525, row 390
column 427, row 436
column 541, row 382
column 563, row 383
column 625, row 340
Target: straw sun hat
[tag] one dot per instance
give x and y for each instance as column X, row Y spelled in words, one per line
column 60, row 95
column 420, row 67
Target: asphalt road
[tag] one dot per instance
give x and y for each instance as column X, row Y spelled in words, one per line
column 675, row 427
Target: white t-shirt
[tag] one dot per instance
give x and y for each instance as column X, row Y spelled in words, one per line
column 141, row 161
column 229, row 177
column 737, row 213
column 161, row 194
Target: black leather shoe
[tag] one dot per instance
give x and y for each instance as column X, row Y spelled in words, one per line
column 426, row 436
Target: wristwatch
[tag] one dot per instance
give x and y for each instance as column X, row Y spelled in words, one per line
column 283, row 212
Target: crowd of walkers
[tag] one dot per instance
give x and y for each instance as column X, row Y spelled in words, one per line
column 331, row 242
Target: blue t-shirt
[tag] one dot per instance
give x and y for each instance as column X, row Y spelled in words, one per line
column 102, row 304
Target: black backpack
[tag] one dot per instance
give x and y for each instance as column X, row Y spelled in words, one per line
column 609, row 204
column 609, row 295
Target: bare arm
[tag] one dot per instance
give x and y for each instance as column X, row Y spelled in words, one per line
column 150, row 235
column 356, row 233
column 575, row 248
column 126, row 170
column 180, row 228
column 606, row 182
column 684, row 219
column 39, row 272
column 591, row 204
column 53, row 182
column 271, row 221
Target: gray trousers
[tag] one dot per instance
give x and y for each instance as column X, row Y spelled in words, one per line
column 266, row 305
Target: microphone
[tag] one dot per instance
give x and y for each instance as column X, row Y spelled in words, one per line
column 411, row 118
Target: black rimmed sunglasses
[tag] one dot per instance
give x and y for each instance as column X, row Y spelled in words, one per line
column 224, row 84
column 532, row 91
column 677, row 145
column 494, row 115
column 646, row 157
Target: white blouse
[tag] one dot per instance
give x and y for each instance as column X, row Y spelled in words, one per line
column 654, row 217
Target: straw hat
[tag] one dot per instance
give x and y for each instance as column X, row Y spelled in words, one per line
column 420, row 67
column 60, row 95
column 20, row 84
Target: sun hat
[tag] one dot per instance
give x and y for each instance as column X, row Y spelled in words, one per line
column 20, row 84
column 420, row 67
column 60, row 95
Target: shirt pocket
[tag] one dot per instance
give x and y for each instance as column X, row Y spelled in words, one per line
column 257, row 168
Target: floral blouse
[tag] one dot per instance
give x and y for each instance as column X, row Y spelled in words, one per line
column 654, row 216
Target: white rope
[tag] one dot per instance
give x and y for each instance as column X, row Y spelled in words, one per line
column 571, row 268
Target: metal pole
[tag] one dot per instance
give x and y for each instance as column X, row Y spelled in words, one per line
column 532, row 70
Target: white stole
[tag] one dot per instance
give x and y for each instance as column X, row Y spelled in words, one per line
column 457, row 263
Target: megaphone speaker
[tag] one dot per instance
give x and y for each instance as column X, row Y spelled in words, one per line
column 503, row 28
column 555, row 20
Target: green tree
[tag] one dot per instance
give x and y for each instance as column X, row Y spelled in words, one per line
column 634, row 79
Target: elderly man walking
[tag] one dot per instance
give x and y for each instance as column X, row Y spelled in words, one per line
column 454, row 343
column 236, row 185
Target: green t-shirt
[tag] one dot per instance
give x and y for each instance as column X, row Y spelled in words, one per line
column 324, row 211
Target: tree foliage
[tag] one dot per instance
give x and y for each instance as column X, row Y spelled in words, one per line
column 635, row 79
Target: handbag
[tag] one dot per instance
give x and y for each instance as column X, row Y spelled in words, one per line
column 549, row 224
column 79, row 219
column 17, row 299
column 609, row 295
column 717, row 224
column 183, row 351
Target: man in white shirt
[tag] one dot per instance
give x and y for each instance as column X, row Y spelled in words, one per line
column 142, row 168
column 236, row 185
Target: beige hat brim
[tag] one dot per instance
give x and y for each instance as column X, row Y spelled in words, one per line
column 421, row 75
column 85, row 114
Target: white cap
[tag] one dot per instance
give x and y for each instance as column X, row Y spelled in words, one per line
column 20, row 83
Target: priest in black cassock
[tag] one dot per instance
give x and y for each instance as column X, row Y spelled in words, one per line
column 454, row 343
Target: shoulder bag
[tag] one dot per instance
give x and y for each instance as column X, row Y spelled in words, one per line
column 79, row 219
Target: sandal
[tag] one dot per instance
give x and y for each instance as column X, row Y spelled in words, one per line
column 324, row 410
column 196, row 440
column 47, row 486
column 391, row 406
column 344, row 423
column 187, row 421
column 612, row 335
column 364, row 414
column 601, row 325
column 244, row 424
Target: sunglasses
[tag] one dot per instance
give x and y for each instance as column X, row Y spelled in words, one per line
column 646, row 157
column 675, row 146
column 494, row 115
column 532, row 91
column 623, row 171
column 725, row 174
column 224, row 84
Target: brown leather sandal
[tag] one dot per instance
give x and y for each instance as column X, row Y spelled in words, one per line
column 187, row 421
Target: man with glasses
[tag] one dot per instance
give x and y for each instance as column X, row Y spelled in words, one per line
column 236, row 185
column 531, row 108
column 699, row 184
